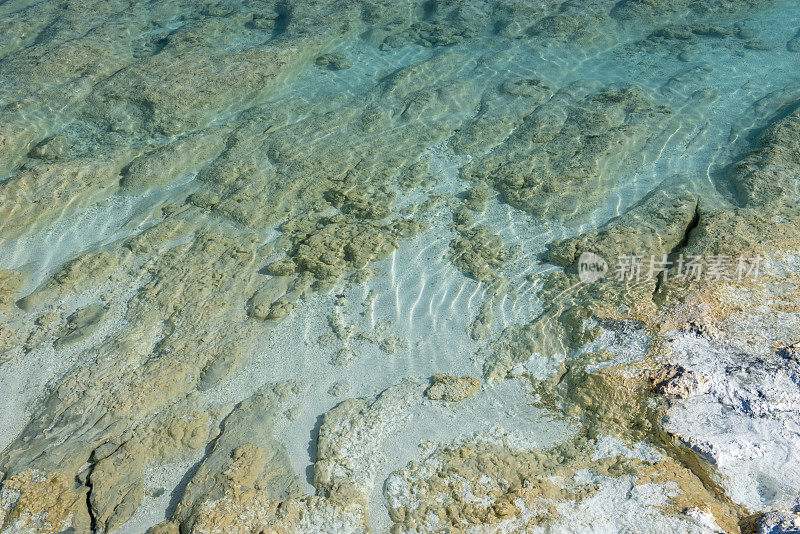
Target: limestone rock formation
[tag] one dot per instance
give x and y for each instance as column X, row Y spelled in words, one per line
column 557, row 162
column 658, row 225
column 763, row 180
column 186, row 185
column 10, row 284
column 452, row 388
column 245, row 459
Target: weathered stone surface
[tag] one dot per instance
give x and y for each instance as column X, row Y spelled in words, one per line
column 82, row 413
column 348, row 439
column 102, row 100
column 10, row 284
column 500, row 113
column 452, row 388
column 744, row 417
column 766, row 179
column 65, row 186
column 245, row 458
column 479, row 252
column 246, row 481
column 479, row 328
column 217, row 370
column 329, row 247
column 170, row 162
column 483, row 482
column 658, row 225
column 333, row 62
column 81, row 323
column 557, row 163
column 80, row 274
column 678, row 382
column 36, row 502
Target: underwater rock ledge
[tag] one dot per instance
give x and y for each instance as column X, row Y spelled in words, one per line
column 314, row 266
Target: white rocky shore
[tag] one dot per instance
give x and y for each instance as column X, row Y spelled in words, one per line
column 738, row 400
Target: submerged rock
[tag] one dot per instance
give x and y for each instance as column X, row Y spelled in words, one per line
column 276, row 180
column 656, row 226
column 557, row 163
column 10, row 284
column 478, row 252
column 246, row 457
column 766, row 180
column 67, row 186
column 452, row 388
column 168, row 163
column 81, row 324
column 333, row 62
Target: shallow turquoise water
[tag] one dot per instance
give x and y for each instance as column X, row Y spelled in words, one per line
column 234, row 121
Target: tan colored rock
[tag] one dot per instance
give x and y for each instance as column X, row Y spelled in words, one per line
column 241, row 485
column 657, row 225
column 80, row 274
column 170, row 162
column 330, row 247
column 501, row 111
column 14, row 335
column 66, row 186
column 37, row 502
column 557, row 163
column 117, row 470
column 10, row 284
column 88, row 103
column 452, row 388
column 246, row 459
column 166, row 527
column 161, row 235
column 81, row 324
column 124, row 397
column 260, row 304
column 117, row 484
column 764, row 180
column 482, row 484
column 478, row 252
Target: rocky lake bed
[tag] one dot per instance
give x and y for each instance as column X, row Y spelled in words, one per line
column 413, row 266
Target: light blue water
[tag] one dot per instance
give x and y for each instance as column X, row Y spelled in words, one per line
column 308, row 129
